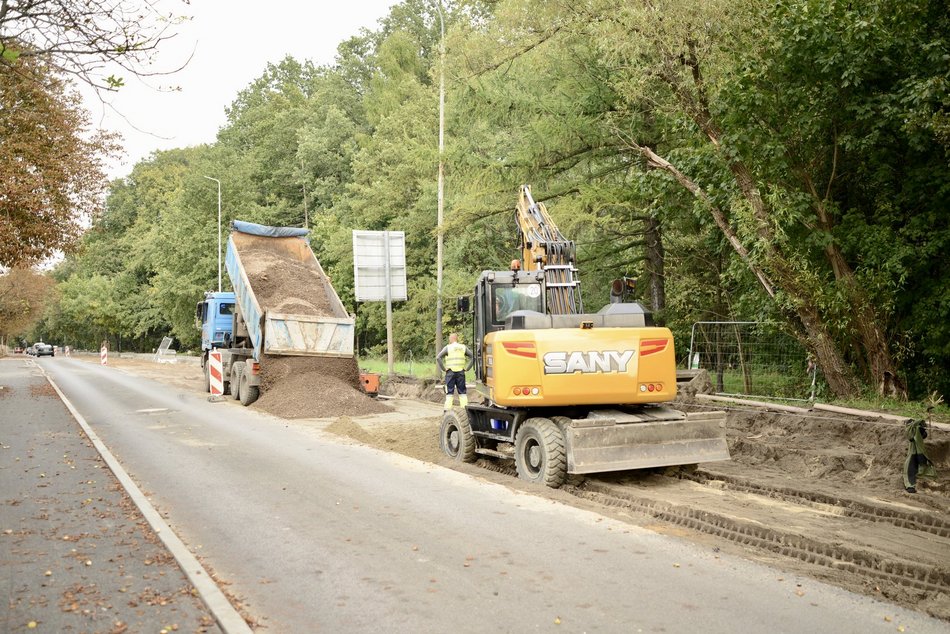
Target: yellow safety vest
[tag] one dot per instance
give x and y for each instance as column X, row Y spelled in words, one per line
column 455, row 357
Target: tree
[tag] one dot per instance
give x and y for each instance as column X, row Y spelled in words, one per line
column 781, row 98
column 23, row 296
column 51, row 168
column 84, row 38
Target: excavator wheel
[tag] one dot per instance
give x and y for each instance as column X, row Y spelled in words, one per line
column 539, row 452
column 455, row 436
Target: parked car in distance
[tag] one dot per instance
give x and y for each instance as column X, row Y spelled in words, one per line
column 41, row 349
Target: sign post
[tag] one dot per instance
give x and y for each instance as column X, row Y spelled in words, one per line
column 379, row 272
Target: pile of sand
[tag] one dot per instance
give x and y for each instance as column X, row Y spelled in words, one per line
column 297, row 386
column 313, row 387
column 284, row 284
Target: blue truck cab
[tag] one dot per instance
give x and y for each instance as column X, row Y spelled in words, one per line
column 216, row 318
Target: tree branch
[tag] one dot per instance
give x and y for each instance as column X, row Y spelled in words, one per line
column 658, row 162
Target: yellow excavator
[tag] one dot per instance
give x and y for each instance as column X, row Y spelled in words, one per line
column 569, row 392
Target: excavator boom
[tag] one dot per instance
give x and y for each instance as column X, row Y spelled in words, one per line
column 544, row 248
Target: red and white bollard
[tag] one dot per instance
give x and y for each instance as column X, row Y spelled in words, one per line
column 215, row 374
column 103, row 355
column 66, row 351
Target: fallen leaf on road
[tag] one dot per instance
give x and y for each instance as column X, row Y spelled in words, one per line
column 800, row 593
column 557, row 620
column 676, row 565
column 31, row 625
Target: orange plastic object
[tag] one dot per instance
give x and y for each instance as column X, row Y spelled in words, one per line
column 370, row 382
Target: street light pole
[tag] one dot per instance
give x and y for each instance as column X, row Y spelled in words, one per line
column 439, row 238
column 219, row 229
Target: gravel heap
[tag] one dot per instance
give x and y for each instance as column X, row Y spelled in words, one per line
column 284, row 284
column 301, row 386
column 314, row 387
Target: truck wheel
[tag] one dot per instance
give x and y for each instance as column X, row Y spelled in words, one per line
column 539, row 452
column 455, row 436
column 237, row 371
column 249, row 393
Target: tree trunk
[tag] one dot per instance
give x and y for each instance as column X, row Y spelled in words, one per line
column 880, row 366
column 819, row 342
column 655, row 260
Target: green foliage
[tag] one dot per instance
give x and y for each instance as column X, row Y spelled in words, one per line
column 839, row 111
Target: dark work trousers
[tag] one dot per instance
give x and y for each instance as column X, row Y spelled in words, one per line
column 454, row 381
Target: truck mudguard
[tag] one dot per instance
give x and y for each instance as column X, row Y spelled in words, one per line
column 270, row 232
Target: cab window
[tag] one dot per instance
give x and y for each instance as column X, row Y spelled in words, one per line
column 508, row 299
column 225, row 309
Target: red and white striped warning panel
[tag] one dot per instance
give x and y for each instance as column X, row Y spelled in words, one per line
column 104, row 355
column 215, row 375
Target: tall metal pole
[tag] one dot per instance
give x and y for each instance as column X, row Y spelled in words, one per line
column 439, row 238
column 390, row 359
column 219, row 229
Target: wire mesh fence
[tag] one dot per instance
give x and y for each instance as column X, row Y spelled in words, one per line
column 750, row 358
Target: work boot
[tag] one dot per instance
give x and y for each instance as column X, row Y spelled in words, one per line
column 463, row 400
column 448, row 402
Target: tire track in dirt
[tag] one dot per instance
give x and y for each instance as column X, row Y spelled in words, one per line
column 911, row 520
column 830, row 554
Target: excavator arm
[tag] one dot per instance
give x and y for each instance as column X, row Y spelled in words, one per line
column 544, row 248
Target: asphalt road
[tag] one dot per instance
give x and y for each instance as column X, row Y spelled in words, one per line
column 75, row 554
column 317, row 535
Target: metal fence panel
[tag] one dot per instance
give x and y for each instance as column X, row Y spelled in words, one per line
column 749, row 358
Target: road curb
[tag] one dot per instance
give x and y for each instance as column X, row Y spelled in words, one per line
column 227, row 617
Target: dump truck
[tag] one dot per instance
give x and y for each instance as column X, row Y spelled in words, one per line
column 283, row 304
column 566, row 391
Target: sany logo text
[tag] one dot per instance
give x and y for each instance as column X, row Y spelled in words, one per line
column 587, row 362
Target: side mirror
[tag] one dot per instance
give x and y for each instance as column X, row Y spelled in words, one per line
column 462, row 305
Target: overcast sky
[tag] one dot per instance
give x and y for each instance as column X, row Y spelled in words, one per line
column 232, row 41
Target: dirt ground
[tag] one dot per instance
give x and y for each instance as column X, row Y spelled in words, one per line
column 818, row 494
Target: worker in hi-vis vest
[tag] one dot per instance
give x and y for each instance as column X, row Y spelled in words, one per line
column 457, row 359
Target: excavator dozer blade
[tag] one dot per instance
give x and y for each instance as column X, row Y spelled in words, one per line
column 611, row 440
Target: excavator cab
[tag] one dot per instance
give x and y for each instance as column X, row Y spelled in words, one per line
column 498, row 296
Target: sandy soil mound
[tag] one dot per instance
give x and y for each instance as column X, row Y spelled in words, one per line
column 829, row 449
column 284, row 284
column 301, row 387
column 432, row 389
column 313, row 387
